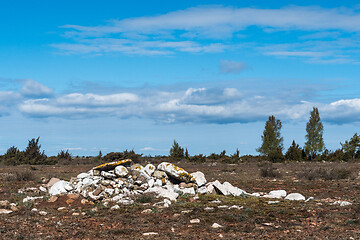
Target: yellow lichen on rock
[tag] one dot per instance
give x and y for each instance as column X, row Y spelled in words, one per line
column 112, row 165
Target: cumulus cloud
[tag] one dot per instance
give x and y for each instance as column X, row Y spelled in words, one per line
column 193, row 105
column 232, row 66
column 32, row 88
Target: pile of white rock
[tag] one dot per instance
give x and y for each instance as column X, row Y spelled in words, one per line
column 120, row 181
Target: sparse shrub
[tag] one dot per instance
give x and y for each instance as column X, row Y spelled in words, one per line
column 64, row 155
column 268, row 170
column 115, row 156
column 198, row 158
column 176, row 152
column 25, row 175
column 326, row 174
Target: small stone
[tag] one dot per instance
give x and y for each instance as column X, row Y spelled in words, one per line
column 43, row 189
column 208, row 208
column 52, row 182
column 115, row 207
column 84, row 201
column 34, row 210
column 14, row 208
column 150, row 233
column 146, row 211
column 186, row 211
column 215, row 225
column 76, row 214
column 43, row 213
column 4, row 203
column 196, row 220
column 61, row 208
column 108, row 174
column 182, row 185
column 73, row 196
column 69, row 201
column 5, row 211
column 273, row 202
column 52, row 199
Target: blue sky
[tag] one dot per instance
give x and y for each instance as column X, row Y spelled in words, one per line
column 108, row 75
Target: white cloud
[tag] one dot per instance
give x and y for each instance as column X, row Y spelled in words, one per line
column 32, row 88
column 209, row 29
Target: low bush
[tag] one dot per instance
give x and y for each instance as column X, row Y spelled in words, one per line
column 326, row 173
column 198, row 158
column 268, row 170
column 25, row 175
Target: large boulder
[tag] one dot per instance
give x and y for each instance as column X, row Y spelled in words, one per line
column 165, row 193
column 112, row 165
column 295, row 196
column 175, row 172
column 121, row 171
column 60, row 187
column 199, row 177
column 276, row 194
column 150, row 169
column 139, row 170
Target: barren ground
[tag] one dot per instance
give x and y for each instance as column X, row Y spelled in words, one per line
column 316, row 219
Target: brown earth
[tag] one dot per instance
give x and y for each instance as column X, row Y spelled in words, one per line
column 316, row 219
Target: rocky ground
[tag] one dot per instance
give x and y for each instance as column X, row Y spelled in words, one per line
column 333, row 213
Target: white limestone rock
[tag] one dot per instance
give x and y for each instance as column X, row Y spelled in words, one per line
column 121, row 171
column 342, row 203
column 83, row 175
column 199, row 177
column 52, row 181
column 275, row 194
column 150, row 169
column 235, row 191
column 295, row 197
column 5, row 211
column 189, row 191
column 220, row 188
column 165, row 193
column 108, row 174
column 175, row 172
column 60, row 187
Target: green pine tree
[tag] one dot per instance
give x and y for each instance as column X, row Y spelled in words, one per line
column 351, row 147
column 271, row 139
column 294, row 153
column 314, row 138
column 176, row 152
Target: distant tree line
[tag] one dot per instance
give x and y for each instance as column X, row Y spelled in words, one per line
column 271, row 149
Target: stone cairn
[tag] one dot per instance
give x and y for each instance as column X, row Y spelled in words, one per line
column 119, row 181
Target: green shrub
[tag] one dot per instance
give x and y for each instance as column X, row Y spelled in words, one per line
column 116, row 156
column 268, row 170
column 198, row 158
column 326, row 173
